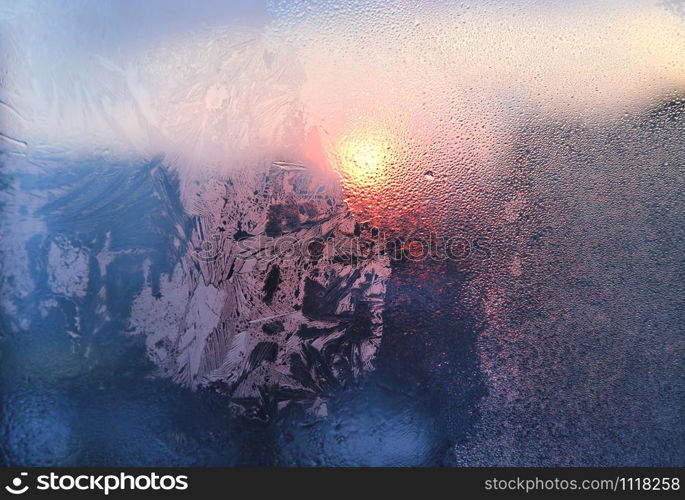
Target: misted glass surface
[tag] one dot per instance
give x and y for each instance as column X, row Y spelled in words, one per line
column 342, row 233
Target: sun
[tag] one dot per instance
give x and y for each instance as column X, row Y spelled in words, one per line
column 363, row 157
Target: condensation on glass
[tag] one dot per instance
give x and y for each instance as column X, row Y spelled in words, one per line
column 406, row 232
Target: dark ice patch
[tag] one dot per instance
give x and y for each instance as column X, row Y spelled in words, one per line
column 262, row 352
column 273, row 327
column 273, row 279
column 317, row 304
column 241, row 235
column 282, row 218
column 311, row 332
column 320, row 302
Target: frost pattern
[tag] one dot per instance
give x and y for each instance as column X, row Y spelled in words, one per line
column 264, row 321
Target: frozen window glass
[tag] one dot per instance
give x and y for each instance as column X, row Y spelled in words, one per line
column 342, row 233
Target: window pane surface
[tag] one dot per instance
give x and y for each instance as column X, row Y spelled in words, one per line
column 342, row 233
